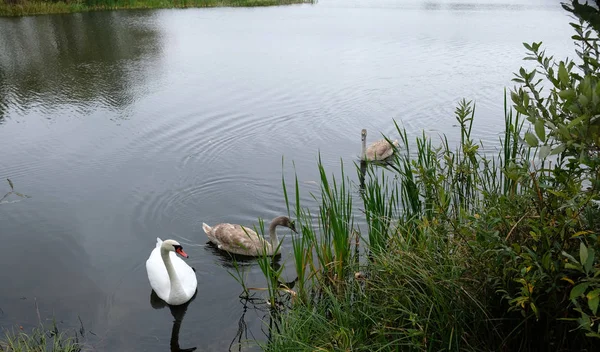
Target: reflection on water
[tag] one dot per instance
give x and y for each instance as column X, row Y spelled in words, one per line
column 244, row 336
column 80, row 60
column 178, row 312
column 362, row 173
column 231, row 260
column 253, row 299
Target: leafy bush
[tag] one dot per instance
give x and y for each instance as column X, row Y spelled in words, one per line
column 561, row 223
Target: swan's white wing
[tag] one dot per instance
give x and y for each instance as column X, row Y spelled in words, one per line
column 185, row 273
column 157, row 274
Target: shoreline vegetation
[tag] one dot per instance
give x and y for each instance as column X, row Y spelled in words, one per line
column 42, row 338
column 466, row 247
column 13, row 8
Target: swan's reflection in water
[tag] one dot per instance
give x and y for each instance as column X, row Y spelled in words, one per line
column 362, row 173
column 242, row 332
column 178, row 312
column 252, row 300
column 231, row 260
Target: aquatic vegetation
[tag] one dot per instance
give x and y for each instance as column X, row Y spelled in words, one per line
column 12, row 191
column 39, row 339
column 466, row 247
column 37, row 7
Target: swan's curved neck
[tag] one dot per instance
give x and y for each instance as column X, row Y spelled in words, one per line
column 173, row 278
column 273, row 235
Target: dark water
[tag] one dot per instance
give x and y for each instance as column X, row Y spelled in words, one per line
column 124, row 126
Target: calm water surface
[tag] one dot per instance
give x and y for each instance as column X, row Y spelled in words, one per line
column 131, row 125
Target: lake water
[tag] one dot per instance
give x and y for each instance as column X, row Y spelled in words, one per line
column 130, row 125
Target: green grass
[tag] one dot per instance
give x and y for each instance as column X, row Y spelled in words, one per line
column 38, row 340
column 36, row 7
column 408, row 300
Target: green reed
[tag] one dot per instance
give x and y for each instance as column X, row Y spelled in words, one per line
column 336, row 223
column 381, row 202
column 412, row 292
column 441, row 247
column 240, row 276
column 303, row 244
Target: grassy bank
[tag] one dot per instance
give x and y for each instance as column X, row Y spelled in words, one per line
column 37, row 7
column 463, row 248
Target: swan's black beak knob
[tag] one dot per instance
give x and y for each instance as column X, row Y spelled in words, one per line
column 293, row 226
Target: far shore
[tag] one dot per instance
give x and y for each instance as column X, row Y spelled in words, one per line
column 37, row 7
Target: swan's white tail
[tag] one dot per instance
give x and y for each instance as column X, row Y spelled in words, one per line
column 158, row 242
column 206, row 228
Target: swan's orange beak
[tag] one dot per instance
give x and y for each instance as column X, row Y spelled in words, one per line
column 181, row 253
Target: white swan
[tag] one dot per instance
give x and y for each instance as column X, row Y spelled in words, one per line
column 242, row 240
column 170, row 277
column 380, row 150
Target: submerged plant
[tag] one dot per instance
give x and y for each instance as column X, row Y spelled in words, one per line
column 12, row 191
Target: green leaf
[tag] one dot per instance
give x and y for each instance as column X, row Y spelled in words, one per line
column 563, row 75
column 526, row 100
column 535, row 310
column 567, row 93
column 570, row 257
column 558, row 150
column 583, row 253
column 516, row 248
column 540, row 130
column 578, row 290
column 574, row 108
column 564, row 131
column 585, row 321
column 515, row 98
column 544, row 151
column 590, row 260
column 534, row 235
column 546, row 261
column 521, row 109
column 583, row 100
column 577, row 120
column 593, row 300
column 531, row 139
